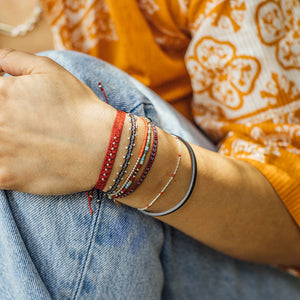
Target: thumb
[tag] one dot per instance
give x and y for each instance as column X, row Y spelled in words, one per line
column 19, row 63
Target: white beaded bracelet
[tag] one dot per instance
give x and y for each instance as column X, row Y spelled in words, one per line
column 189, row 191
column 169, row 181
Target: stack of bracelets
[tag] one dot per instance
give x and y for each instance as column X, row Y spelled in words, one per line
column 128, row 179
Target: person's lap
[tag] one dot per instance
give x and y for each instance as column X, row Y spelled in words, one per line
column 52, row 247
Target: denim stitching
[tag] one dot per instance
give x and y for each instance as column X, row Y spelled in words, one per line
column 88, row 254
column 7, row 198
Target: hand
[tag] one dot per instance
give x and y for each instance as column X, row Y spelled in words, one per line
column 53, row 133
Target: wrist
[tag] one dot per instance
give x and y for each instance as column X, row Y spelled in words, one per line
column 98, row 130
column 129, row 147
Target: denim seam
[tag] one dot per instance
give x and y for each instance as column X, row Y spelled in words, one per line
column 23, row 243
column 137, row 106
column 88, row 253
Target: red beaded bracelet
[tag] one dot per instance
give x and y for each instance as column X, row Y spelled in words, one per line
column 110, row 156
column 111, row 151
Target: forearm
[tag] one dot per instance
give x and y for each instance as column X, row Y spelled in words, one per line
column 233, row 207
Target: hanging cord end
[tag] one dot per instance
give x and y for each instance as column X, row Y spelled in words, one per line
column 90, row 195
column 90, row 198
column 98, row 198
column 102, row 90
column 91, row 192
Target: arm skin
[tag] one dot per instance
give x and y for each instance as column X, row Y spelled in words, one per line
column 233, row 207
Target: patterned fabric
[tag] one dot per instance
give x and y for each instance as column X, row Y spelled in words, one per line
column 139, row 37
column 240, row 60
column 244, row 61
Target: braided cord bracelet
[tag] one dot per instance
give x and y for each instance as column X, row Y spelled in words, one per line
column 112, row 150
column 124, row 190
column 126, row 157
column 145, row 148
column 110, row 155
column 138, row 164
column 169, row 181
column 190, row 188
column 148, row 167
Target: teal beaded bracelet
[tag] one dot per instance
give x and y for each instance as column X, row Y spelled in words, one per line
column 126, row 185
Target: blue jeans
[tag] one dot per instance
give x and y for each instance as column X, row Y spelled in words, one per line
column 51, row 247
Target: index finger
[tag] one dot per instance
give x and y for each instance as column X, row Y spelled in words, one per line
column 18, row 63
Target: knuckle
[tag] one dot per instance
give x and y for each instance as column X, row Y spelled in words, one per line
column 6, row 84
column 7, row 178
column 46, row 60
column 5, row 52
column 2, row 86
column 49, row 62
column 7, row 88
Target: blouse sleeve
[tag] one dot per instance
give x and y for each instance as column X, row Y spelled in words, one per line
column 244, row 65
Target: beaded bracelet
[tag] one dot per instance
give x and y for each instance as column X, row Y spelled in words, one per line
column 138, row 164
column 112, row 149
column 110, row 155
column 109, row 196
column 189, row 191
column 126, row 157
column 140, row 160
column 148, row 167
column 169, row 181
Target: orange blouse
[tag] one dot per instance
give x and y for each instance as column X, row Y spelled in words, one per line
column 234, row 65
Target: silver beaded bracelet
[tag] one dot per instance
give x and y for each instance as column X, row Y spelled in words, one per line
column 127, row 157
column 189, row 191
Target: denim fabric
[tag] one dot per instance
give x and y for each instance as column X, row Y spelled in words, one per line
column 51, row 247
